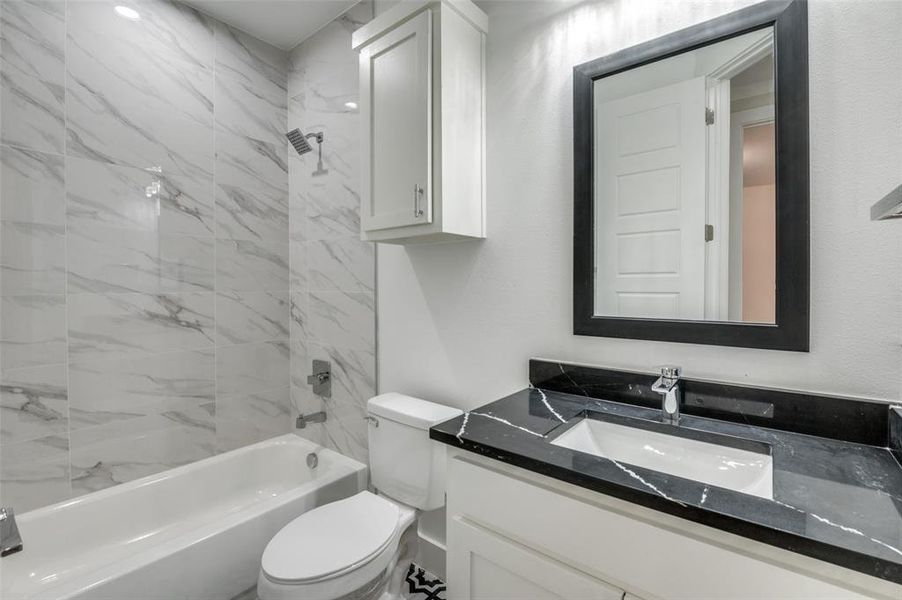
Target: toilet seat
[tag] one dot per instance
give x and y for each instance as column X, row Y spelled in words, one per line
column 333, row 540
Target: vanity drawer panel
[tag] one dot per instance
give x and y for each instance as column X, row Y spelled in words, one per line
column 645, row 559
column 487, row 565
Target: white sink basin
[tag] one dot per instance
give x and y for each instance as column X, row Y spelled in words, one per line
column 724, row 466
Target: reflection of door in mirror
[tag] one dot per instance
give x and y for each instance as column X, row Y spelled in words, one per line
column 650, row 149
column 685, row 186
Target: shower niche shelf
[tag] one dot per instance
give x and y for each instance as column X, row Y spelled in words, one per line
column 422, row 108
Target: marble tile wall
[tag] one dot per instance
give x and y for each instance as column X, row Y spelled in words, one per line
column 145, row 295
column 332, row 271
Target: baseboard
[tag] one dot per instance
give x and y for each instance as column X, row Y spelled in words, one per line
column 431, row 556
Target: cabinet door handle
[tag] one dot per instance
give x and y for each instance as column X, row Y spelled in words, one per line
column 417, row 192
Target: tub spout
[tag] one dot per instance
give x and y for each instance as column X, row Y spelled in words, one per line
column 10, row 540
column 317, row 417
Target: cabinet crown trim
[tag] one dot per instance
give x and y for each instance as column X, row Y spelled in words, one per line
column 403, row 11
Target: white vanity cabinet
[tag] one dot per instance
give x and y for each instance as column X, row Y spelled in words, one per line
column 422, row 113
column 516, row 534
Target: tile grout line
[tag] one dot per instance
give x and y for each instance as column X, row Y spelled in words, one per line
column 215, row 224
column 66, row 233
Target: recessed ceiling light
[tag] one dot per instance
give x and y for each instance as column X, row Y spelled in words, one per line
column 127, row 13
column 351, row 105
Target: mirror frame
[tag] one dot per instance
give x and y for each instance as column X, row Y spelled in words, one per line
column 790, row 331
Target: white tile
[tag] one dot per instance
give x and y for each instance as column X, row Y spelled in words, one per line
column 107, row 390
column 243, row 317
column 299, row 266
column 169, row 32
column 33, row 215
column 147, row 139
column 33, row 38
column 33, row 187
column 244, row 419
column 130, row 198
column 251, row 214
column 34, row 473
column 251, row 164
column 118, row 326
column 122, row 451
column 300, row 317
column 246, row 109
column 130, row 79
column 113, row 259
column 330, row 67
column 249, row 368
column 33, row 403
column 342, row 264
column 247, row 59
column 32, row 258
column 342, row 320
column 297, row 209
column 33, row 113
column 34, row 331
column 332, row 209
column 244, row 265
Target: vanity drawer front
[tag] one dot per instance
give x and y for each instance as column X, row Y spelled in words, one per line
column 487, row 565
column 645, row 559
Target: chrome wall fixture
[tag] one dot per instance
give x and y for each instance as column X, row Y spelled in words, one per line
column 321, row 378
column 890, row 207
column 10, row 540
column 299, row 139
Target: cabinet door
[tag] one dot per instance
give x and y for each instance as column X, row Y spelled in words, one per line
column 483, row 565
column 396, row 108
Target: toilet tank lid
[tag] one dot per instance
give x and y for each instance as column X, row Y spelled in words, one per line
column 410, row 411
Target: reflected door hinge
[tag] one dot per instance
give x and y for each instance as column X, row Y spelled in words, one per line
column 709, row 233
column 709, row 116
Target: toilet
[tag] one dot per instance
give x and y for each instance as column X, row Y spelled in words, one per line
column 360, row 547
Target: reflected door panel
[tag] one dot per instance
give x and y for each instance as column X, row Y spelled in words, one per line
column 650, row 231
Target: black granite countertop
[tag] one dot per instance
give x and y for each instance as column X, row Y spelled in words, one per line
column 835, row 500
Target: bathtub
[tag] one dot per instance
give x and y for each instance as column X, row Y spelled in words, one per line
column 196, row 532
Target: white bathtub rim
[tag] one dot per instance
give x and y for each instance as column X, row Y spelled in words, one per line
column 285, row 439
column 334, row 467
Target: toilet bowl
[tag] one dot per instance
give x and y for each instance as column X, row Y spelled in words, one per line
column 360, row 547
column 346, row 549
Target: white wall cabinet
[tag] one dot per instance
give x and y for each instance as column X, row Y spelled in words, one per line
column 422, row 109
column 516, row 534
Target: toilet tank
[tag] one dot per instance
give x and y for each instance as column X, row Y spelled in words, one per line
column 405, row 464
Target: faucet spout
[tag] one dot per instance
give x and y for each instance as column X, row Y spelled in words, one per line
column 317, row 417
column 670, row 387
column 10, row 540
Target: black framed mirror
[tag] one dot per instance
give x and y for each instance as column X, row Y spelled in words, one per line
column 691, row 185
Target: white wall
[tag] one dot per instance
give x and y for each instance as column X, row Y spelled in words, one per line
column 458, row 322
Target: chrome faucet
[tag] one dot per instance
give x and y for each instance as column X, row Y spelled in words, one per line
column 10, row 540
column 317, row 417
column 671, row 390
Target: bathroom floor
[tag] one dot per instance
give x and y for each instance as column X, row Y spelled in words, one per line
column 423, row 585
column 420, row 584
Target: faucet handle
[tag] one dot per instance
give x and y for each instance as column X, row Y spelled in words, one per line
column 670, row 372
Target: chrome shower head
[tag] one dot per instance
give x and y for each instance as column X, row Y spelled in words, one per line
column 299, row 140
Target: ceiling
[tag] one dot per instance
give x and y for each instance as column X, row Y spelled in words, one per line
column 282, row 23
